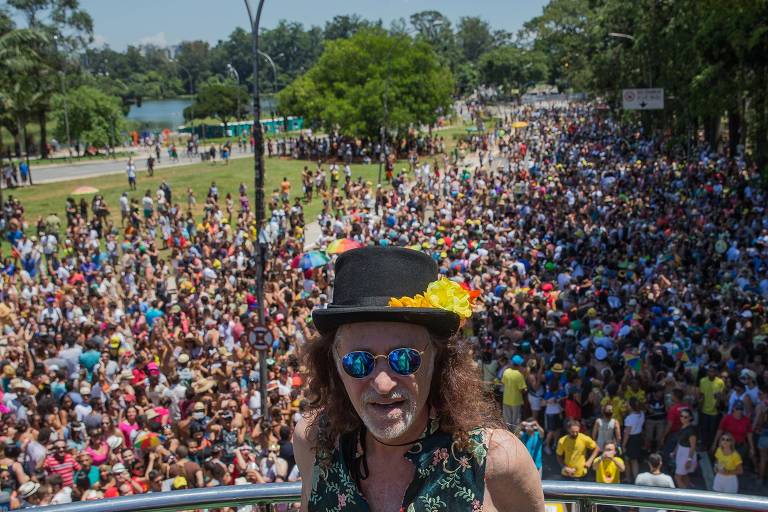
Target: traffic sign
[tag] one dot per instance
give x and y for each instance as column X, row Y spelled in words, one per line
column 260, row 338
column 643, row 99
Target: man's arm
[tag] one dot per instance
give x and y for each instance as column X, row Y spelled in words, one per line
column 512, row 482
column 591, row 458
column 303, row 451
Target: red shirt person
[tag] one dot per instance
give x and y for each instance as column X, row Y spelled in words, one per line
column 739, row 426
column 61, row 463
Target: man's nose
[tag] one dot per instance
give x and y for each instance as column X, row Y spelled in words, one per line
column 382, row 381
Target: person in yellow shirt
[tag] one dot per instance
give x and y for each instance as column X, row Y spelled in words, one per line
column 612, row 397
column 635, row 391
column 728, row 466
column 608, row 467
column 514, row 386
column 711, row 390
column 572, row 452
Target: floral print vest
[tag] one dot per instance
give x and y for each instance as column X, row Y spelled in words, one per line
column 446, row 478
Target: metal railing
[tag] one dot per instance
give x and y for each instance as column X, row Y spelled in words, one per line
column 585, row 497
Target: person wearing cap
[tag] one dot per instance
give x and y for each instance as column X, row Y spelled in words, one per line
column 738, row 425
column 514, row 392
column 711, row 389
column 389, row 376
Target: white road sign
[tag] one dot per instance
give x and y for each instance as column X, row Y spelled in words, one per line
column 643, row 99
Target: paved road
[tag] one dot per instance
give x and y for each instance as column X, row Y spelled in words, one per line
column 81, row 170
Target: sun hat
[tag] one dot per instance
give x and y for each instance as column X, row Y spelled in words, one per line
column 28, row 489
column 114, row 441
column 118, row 469
column 368, row 279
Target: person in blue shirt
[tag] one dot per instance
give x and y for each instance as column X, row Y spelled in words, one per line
column 532, row 436
column 89, row 358
column 153, row 314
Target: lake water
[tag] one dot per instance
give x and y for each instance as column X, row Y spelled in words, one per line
column 160, row 114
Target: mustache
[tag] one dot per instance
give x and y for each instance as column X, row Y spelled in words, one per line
column 370, row 395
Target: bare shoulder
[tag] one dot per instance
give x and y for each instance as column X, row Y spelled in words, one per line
column 305, row 432
column 304, row 435
column 512, row 481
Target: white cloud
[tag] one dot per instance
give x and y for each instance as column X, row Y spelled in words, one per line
column 154, row 40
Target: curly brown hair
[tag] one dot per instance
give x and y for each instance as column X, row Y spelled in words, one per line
column 456, row 393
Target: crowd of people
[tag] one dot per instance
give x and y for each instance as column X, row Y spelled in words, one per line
column 620, row 324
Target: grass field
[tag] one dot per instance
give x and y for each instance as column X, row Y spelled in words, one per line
column 41, row 200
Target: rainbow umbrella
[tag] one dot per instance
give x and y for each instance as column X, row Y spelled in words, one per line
column 342, row 245
column 147, row 441
column 311, row 259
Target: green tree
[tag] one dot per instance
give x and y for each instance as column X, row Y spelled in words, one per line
column 234, row 51
column 345, row 26
column 194, row 57
column 293, row 49
column 94, row 117
column 370, row 79
column 18, row 58
column 218, row 100
column 434, row 28
column 68, row 29
column 512, row 67
column 474, row 37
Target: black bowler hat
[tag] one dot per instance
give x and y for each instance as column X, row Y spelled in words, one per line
column 367, row 278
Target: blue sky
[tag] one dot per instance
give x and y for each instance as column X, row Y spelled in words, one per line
column 167, row 22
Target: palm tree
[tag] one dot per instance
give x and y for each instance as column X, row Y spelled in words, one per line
column 17, row 58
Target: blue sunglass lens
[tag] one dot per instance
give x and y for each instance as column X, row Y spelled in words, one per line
column 358, row 364
column 404, row 361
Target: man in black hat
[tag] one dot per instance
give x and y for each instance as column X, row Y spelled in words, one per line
column 397, row 419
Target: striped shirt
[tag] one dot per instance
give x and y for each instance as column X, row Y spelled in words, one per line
column 66, row 468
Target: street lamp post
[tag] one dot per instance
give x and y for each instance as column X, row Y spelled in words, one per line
column 258, row 156
column 646, row 69
column 64, row 98
column 274, row 69
column 233, row 71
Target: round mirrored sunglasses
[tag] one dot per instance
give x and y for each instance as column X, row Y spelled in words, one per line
column 403, row 361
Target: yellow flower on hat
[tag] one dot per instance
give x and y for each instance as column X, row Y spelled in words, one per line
column 419, row 301
column 443, row 294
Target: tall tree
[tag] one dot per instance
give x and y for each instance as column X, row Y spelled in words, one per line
column 95, row 118
column 218, row 100
column 434, row 28
column 345, row 26
column 474, row 37
column 194, row 58
column 69, row 29
column 369, row 80
column 512, row 67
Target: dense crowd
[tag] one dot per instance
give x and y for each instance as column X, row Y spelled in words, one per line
column 621, row 319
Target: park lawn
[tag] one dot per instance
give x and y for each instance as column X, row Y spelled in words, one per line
column 42, row 200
